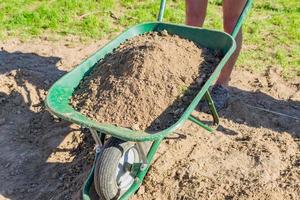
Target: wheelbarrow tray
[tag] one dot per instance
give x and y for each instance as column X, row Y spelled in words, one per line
column 59, row 95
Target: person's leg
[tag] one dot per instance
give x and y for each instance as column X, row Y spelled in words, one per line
column 195, row 12
column 231, row 12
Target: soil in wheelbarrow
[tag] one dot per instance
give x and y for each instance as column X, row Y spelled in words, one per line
column 146, row 83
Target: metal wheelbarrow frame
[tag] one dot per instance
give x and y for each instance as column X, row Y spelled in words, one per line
column 57, row 100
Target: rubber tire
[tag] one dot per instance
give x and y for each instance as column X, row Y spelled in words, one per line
column 106, row 165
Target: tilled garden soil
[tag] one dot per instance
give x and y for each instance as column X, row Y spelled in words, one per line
column 255, row 154
column 146, row 83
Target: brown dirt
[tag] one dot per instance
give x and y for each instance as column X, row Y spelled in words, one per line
column 255, row 154
column 40, row 156
column 146, row 83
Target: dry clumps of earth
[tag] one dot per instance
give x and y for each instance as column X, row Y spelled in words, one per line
column 257, row 155
column 146, row 83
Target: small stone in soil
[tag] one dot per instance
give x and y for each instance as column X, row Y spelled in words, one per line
column 173, row 90
column 219, row 148
column 30, row 190
column 185, row 99
column 157, row 121
column 47, row 82
column 178, row 111
column 239, row 120
column 9, row 192
column 135, row 127
column 199, row 80
column 170, row 141
column 141, row 190
column 7, row 165
column 164, row 33
column 2, row 121
column 183, row 78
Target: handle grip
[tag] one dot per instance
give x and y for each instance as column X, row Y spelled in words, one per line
column 237, row 26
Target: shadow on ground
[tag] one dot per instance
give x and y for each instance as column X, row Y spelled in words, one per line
column 258, row 109
column 40, row 154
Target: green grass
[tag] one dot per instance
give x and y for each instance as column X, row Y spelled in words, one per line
column 29, row 18
column 271, row 32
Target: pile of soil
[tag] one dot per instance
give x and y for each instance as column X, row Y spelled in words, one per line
column 146, row 83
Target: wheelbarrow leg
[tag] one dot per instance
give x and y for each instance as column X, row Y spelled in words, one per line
column 212, row 107
column 98, row 137
column 213, row 111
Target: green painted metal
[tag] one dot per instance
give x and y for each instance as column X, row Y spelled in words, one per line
column 58, row 97
column 237, row 26
column 138, row 181
column 161, row 10
column 198, row 122
column 141, row 174
column 57, row 100
column 88, row 182
column 212, row 108
column 241, row 19
column 213, row 111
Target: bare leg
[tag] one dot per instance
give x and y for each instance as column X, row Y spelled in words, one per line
column 195, row 12
column 231, row 12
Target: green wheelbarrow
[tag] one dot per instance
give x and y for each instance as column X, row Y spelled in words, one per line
column 122, row 162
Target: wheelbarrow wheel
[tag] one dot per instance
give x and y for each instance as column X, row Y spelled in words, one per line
column 113, row 174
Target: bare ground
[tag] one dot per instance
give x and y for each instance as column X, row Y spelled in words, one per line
column 255, row 154
column 40, row 154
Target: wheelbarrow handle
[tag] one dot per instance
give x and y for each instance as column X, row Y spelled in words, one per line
column 237, row 26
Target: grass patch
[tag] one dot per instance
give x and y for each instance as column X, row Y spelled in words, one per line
column 271, row 32
column 28, row 18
